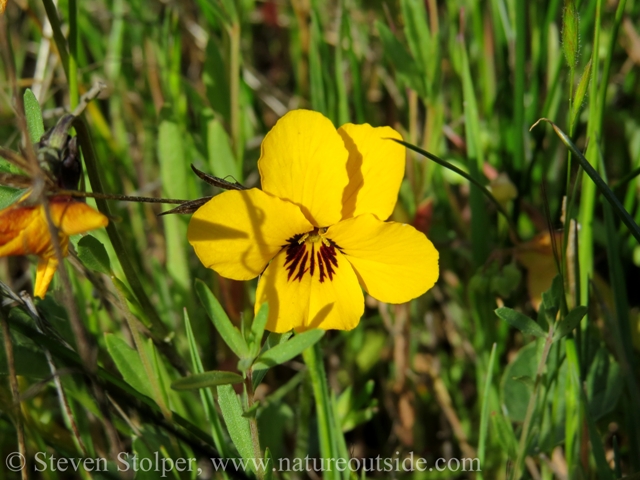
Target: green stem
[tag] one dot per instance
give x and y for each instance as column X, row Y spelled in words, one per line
column 526, row 426
column 465, row 175
column 72, row 76
column 326, row 425
column 58, row 36
column 234, row 90
column 253, row 422
column 518, row 114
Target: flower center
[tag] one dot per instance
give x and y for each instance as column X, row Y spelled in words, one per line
column 311, row 252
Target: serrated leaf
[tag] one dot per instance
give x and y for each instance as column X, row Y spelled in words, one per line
column 32, row 111
column 93, row 255
column 568, row 323
column 286, row 351
column 229, row 333
column 521, row 322
column 212, row 378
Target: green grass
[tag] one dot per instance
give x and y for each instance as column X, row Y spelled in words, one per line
column 548, row 384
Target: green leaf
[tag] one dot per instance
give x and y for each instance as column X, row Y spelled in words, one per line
column 93, row 255
column 571, row 33
column 552, row 298
column 268, row 473
column 219, row 152
column 237, row 424
column 229, row 333
column 568, row 323
column 9, row 195
column 257, row 328
column 604, row 384
column 208, row 379
column 602, row 186
column 215, row 78
column 206, row 395
column 397, row 55
column 129, row 364
column 521, row 322
column 288, row 350
column 505, row 435
column 174, row 168
column 581, row 91
column 32, row 111
column 516, row 394
column 27, row 361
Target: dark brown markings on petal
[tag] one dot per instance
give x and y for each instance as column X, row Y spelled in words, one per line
column 302, row 269
column 327, row 259
column 312, row 265
column 295, row 252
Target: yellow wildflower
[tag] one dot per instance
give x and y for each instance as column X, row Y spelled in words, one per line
column 24, row 231
column 317, row 231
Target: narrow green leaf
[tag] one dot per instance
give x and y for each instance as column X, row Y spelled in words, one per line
column 286, row 351
column 581, row 91
column 571, row 33
column 463, row 174
column 484, row 409
column 602, row 186
column 597, row 448
column 268, row 474
column 229, row 333
column 9, row 196
column 93, row 255
column 521, row 322
column 552, row 298
column 568, row 323
column 129, row 364
column 397, row 55
column 237, row 424
column 504, row 434
column 206, row 395
column 258, row 326
column 221, row 159
column 174, row 167
column 208, row 379
column 317, row 91
column 572, row 393
column 32, row 111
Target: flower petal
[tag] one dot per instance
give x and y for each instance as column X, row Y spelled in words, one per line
column 236, row 233
column 14, row 221
column 46, row 268
column 304, row 303
column 394, row 261
column 304, row 161
column 73, row 217
column 376, row 168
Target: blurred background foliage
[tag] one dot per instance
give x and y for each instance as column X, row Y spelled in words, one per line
column 201, row 82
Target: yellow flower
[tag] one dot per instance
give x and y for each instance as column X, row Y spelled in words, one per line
column 24, row 231
column 316, row 230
